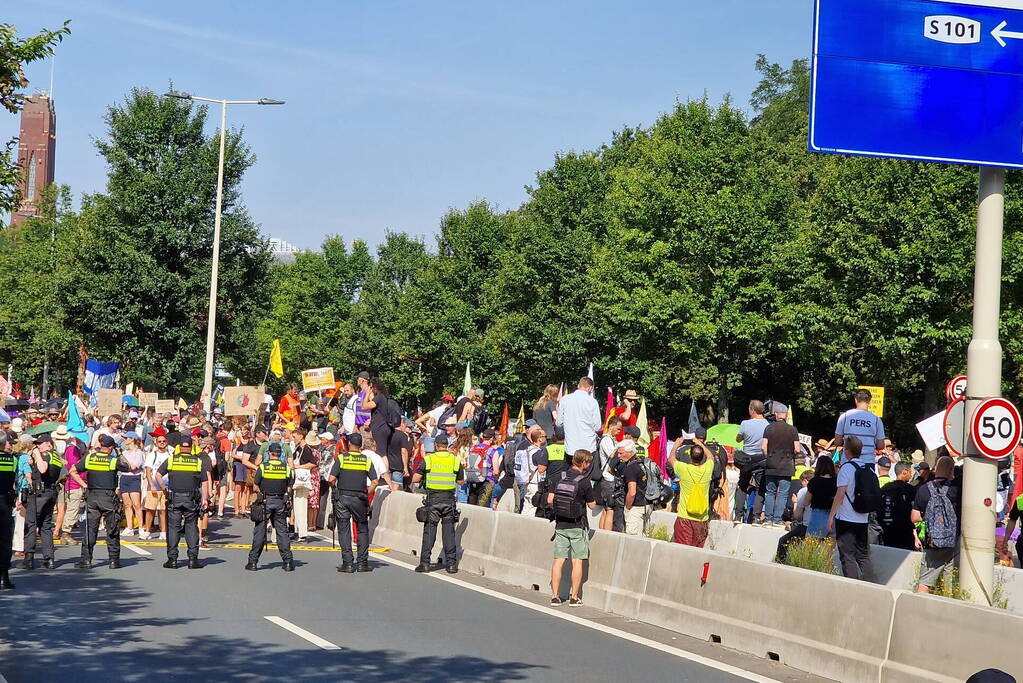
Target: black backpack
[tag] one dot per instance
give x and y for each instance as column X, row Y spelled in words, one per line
column 566, row 493
column 480, row 419
column 867, row 496
column 393, row 414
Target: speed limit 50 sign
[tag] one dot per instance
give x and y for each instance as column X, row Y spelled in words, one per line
column 996, row 428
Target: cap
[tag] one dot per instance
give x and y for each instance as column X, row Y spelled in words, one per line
column 185, row 440
column 489, row 433
column 362, row 375
column 449, row 398
column 274, row 448
column 779, row 408
column 440, row 440
column 700, row 433
column 262, row 430
column 530, row 422
column 106, row 441
column 355, row 439
column 923, row 466
column 478, row 393
column 43, row 438
column 132, row 435
column 884, row 461
column 159, row 431
column 632, row 431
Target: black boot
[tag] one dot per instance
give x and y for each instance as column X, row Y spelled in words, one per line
column 5, row 581
column 346, row 568
column 170, row 564
column 251, row 566
column 83, row 564
column 195, row 564
column 115, row 563
column 289, row 566
column 28, row 563
column 47, row 563
column 423, row 567
column 364, row 567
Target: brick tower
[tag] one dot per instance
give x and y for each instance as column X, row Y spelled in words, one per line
column 37, row 145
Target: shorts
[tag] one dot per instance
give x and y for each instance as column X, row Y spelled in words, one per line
column 130, row 484
column 690, row 532
column 936, row 562
column 605, row 493
column 241, row 472
column 572, row 543
column 155, row 500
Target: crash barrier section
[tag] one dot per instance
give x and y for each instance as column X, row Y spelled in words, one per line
column 835, row 627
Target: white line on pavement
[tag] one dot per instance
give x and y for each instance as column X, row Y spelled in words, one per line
column 602, row 628
column 136, row 549
column 302, row 633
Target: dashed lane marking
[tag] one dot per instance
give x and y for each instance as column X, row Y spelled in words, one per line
column 302, row 633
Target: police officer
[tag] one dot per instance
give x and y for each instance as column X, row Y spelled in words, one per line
column 8, row 476
column 272, row 484
column 101, row 500
column 45, row 466
column 354, row 479
column 188, row 475
column 443, row 471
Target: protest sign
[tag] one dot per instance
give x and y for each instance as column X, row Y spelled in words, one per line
column 318, row 379
column 876, row 400
column 242, row 400
column 148, row 399
column 165, row 407
column 108, row 401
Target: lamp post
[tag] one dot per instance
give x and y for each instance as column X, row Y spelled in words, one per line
column 207, row 384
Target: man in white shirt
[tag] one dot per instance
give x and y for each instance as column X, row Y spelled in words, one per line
column 579, row 414
column 850, row 526
column 153, row 499
column 348, row 413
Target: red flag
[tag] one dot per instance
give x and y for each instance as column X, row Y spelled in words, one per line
column 503, row 429
column 609, row 407
column 663, row 455
column 1017, row 468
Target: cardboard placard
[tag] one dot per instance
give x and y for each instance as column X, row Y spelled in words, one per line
column 108, row 401
column 318, row 379
column 165, row 407
column 806, row 439
column 148, row 399
column 242, row 400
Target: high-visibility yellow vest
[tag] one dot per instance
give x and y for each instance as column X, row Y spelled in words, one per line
column 178, row 462
column 275, row 469
column 100, row 462
column 555, row 452
column 8, row 463
column 440, row 471
column 354, row 460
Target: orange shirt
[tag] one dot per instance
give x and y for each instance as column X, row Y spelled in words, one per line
column 288, row 407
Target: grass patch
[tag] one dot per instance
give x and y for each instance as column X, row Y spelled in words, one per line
column 815, row 554
column 658, row 532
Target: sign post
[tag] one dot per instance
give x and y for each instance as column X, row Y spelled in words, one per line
column 934, row 80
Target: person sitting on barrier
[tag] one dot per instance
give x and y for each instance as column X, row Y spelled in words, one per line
column 443, row 472
column 571, row 492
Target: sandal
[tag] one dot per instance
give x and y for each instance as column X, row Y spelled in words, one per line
column 556, row 601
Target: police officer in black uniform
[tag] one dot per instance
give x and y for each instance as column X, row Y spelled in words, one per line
column 101, row 500
column 354, row 479
column 272, row 484
column 45, row 466
column 188, row 470
column 8, row 476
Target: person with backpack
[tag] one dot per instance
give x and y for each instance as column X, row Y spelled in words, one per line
column 630, row 489
column 938, row 504
column 385, row 415
column 603, row 480
column 694, row 482
column 858, row 494
column 571, row 492
column 895, row 516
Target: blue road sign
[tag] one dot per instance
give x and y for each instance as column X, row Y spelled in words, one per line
column 919, row 79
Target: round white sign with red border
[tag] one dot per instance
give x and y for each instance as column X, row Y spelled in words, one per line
column 956, row 388
column 996, row 427
column 954, row 427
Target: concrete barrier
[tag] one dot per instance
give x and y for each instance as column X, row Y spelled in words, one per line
column 757, row 542
column 736, row 608
column 945, row 641
column 521, row 553
column 723, row 537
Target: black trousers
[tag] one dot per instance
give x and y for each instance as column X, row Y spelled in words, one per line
column 102, row 503
column 442, row 511
column 475, row 491
column 853, row 550
column 347, row 507
column 276, row 514
column 6, row 529
column 182, row 510
column 39, row 508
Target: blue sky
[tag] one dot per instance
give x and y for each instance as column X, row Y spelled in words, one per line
column 397, row 111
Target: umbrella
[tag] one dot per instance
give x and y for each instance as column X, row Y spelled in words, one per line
column 723, row 434
column 16, row 404
column 43, row 428
column 131, row 400
column 55, row 404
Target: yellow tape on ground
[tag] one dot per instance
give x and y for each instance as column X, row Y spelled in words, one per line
column 247, row 546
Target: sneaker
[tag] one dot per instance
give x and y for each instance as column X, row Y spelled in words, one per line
column 556, row 601
column 144, row 535
column 575, row 602
column 67, row 539
column 128, row 532
column 163, row 535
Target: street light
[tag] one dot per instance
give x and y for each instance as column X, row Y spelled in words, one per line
column 207, row 384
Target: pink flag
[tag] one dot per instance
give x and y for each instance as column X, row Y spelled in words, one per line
column 5, row 387
column 609, row 408
column 32, row 395
column 663, row 455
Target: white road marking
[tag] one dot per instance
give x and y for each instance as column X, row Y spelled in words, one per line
column 302, row 633
column 136, row 549
column 602, row 628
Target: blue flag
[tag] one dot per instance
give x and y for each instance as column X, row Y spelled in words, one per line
column 694, row 421
column 75, row 424
column 100, row 375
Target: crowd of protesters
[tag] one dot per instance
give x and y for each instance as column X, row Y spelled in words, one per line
column 565, row 460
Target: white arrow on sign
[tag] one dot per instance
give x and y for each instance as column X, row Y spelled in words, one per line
column 998, row 33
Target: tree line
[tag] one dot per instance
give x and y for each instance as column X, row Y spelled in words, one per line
column 706, row 256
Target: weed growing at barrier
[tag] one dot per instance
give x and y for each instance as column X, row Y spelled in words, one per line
column 658, row 532
column 948, row 586
column 815, row 554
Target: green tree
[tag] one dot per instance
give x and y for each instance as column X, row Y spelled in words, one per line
column 15, row 53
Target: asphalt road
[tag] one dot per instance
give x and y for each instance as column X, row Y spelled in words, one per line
column 144, row 622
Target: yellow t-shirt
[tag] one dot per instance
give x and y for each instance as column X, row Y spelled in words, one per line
column 690, row 477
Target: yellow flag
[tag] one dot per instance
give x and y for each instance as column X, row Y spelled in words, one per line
column 276, row 365
column 182, row 405
column 641, row 422
column 520, row 423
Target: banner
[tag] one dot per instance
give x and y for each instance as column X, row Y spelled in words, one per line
column 108, row 401
column 318, row 379
column 165, row 407
column 75, row 424
column 5, row 387
column 932, row 431
column 242, row 400
column 876, row 400
column 100, row 376
column 148, row 399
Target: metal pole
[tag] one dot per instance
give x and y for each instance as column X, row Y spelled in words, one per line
column 984, row 370
column 207, row 386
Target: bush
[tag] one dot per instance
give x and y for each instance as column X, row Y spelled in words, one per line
column 815, row 554
column 658, row 532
